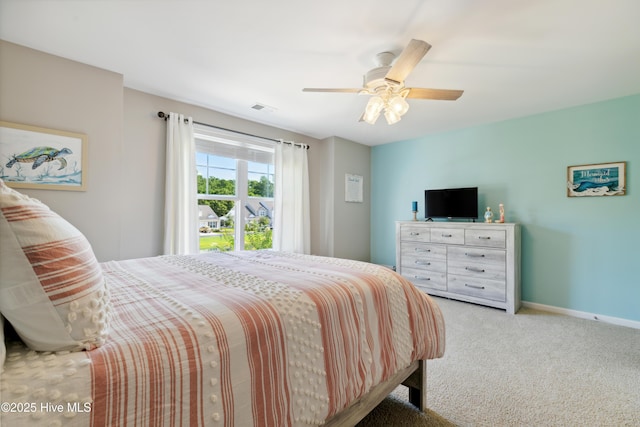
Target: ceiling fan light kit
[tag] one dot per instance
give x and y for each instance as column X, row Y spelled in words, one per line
column 393, row 104
column 386, row 84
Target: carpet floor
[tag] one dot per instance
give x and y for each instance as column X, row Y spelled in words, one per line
column 530, row 369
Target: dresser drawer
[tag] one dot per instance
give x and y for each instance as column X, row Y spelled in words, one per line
column 426, row 279
column 480, row 263
column 415, row 249
column 454, row 236
column 421, row 263
column 486, row 271
column 485, row 237
column 494, row 290
column 462, row 254
column 414, row 234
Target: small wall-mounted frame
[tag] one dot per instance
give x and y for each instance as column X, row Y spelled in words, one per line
column 353, row 188
column 601, row 179
column 35, row 157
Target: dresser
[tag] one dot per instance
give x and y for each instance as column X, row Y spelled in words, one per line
column 473, row 262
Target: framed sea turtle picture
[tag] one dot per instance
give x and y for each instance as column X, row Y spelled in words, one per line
column 35, row 157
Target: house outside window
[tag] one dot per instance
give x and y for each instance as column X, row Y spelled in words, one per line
column 207, row 218
column 235, row 190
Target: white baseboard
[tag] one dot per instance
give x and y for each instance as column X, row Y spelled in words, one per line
column 583, row 314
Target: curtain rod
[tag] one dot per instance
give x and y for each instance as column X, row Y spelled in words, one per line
column 164, row 116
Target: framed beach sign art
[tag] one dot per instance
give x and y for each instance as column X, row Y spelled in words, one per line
column 603, row 179
column 35, row 157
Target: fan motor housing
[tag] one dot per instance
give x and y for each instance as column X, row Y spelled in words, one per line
column 375, row 77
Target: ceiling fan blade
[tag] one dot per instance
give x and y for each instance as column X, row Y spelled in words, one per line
column 314, row 89
column 408, row 59
column 440, row 94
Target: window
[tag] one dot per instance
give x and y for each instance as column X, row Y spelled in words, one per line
column 235, row 190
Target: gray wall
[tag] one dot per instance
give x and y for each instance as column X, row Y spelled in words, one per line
column 347, row 224
column 121, row 213
column 47, row 91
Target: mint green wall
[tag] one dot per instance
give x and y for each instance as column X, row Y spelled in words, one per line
column 577, row 253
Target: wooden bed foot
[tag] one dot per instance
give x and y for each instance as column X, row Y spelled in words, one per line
column 417, row 384
column 415, row 397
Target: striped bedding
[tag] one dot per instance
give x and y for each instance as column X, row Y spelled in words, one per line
column 229, row 339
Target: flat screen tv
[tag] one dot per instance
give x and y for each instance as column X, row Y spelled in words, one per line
column 452, row 203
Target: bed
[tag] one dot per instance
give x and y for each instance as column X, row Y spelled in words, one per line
column 238, row 338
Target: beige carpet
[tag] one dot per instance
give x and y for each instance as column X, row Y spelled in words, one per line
column 531, row 369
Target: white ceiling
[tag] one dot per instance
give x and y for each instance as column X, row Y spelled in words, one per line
column 512, row 57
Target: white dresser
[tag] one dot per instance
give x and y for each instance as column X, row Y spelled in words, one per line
column 474, row 262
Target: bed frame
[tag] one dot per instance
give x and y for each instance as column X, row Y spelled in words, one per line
column 414, row 377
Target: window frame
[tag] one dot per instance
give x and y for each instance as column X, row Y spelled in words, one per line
column 247, row 148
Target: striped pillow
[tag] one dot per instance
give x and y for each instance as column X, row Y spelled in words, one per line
column 51, row 286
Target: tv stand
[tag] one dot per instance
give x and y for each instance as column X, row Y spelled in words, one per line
column 473, row 262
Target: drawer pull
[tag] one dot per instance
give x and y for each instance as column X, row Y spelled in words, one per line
column 413, row 233
column 422, row 250
column 477, row 270
column 447, row 235
column 473, row 286
column 418, row 262
column 422, row 278
column 474, row 255
column 484, row 237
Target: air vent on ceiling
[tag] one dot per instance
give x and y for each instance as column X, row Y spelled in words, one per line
column 262, row 107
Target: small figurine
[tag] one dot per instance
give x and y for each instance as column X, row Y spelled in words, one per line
column 488, row 215
column 501, row 213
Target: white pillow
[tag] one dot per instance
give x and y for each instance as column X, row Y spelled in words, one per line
column 51, row 286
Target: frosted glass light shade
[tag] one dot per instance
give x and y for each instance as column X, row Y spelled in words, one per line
column 373, row 109
column 370, row 118
column 399, row 105
column 375, row 105
column 391, row 116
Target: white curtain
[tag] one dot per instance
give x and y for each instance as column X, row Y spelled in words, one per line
column 291, row 229
column 181, row 211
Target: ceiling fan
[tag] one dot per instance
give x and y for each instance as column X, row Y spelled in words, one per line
column 386, row 85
